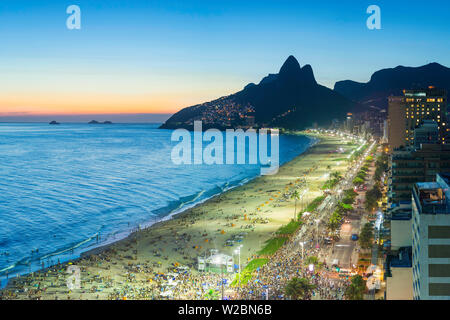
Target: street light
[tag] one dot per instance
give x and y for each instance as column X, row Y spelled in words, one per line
column 219, row 260
column 303, row 248
column 238, row 251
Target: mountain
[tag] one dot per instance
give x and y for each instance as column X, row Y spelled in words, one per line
column 387, row 82
column 290, row 99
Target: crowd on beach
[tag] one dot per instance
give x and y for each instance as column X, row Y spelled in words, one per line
column 289, row 262
column 145, row 280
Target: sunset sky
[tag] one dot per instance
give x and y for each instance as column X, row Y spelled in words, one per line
column 160, row 56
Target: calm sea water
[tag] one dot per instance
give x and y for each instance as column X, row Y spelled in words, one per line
column 62, row 186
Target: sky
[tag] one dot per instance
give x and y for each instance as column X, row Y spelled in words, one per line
column 157, row 57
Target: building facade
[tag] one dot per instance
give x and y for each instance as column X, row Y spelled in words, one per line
column 431, row 239
column 426, row 133
column 410, row 110
column 410, row 165
column 396, row 122
column 399, row 275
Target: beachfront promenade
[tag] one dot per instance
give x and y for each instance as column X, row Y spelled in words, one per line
column 161, row 262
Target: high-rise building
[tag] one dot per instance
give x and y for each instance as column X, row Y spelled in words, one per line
column 396, row 122
column 349, row 123
column 418, row 163
column 410, row 165
column 410, row 110
column 431, row 239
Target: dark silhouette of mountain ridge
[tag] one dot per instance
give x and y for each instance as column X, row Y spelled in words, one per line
column 388, row 82
column 290, row 99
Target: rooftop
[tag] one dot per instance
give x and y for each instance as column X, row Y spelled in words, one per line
column 433, row 197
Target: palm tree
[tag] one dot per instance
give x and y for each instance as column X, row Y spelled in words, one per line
column 336, row 175
column 366, row 236
column 298, row 288
column 355, row 291
column 335, row 221
column 295, row 195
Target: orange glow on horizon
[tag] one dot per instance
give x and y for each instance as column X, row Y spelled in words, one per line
column 74, row 104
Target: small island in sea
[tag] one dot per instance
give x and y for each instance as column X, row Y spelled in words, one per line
column 97, row 122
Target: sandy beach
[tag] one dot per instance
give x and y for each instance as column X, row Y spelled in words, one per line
column 254, row 211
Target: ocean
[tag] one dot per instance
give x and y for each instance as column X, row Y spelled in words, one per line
column 68, row 188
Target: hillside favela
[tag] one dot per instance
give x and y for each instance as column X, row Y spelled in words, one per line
column 216, row 151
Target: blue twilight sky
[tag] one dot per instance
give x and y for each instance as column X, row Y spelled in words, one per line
column 160, row 56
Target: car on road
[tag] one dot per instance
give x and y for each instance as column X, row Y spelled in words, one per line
column 354, row 237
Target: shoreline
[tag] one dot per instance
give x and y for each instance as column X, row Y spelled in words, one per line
column 123, row 235
column 176, row 214
column 190, row 233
